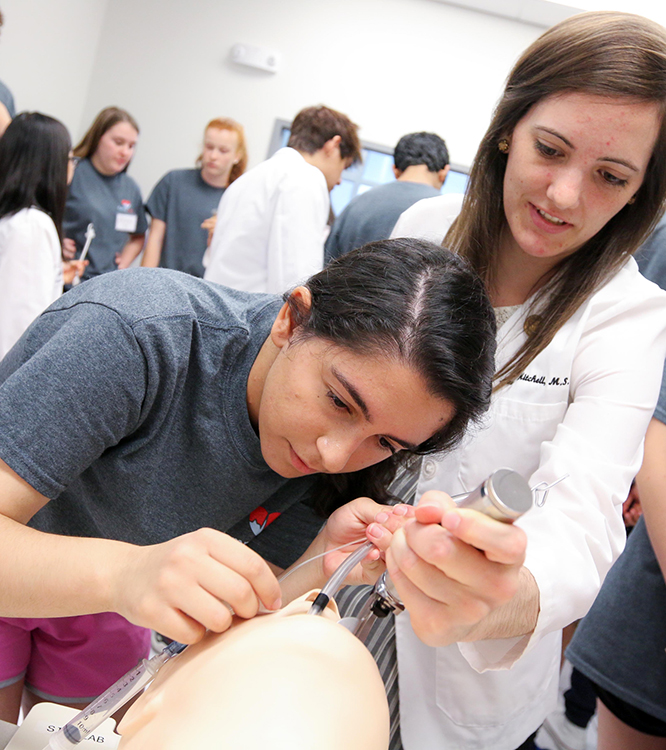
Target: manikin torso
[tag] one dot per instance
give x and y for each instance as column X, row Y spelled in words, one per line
column 284, row 680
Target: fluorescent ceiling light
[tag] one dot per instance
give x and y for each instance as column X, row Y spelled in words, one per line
column 546, row 13
column 654, row 9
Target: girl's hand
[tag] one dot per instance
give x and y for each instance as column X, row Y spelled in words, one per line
column 122, row 261
column 209, row 225
column 68, row 248
column 185, row 586
column 71, row 269
column 365, row 520
column 454, row 567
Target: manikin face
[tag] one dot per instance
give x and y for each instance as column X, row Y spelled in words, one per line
column 288, row 680
column 115, row 149
column 574, row 161
column 326, row 409
column 220, row 153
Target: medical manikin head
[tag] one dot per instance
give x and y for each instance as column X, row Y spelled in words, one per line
column 284, row 680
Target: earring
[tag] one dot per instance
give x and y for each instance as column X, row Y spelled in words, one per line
column 631, row 200
column 503, row 146
column 531, row 324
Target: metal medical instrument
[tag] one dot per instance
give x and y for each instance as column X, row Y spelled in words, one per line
column 86, row 721
column 90, row 236
column 504, row 496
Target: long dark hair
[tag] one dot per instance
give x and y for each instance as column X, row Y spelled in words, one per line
column 421, row 304
column 33, row 166
column 617, row 55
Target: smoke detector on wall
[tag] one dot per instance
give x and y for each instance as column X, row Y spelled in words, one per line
column 256, row 57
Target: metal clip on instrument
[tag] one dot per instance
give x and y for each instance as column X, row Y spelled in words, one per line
column 504, row 496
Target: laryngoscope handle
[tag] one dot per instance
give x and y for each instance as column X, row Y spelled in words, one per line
column 504, row 496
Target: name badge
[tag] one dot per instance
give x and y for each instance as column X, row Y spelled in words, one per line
column 126, row 223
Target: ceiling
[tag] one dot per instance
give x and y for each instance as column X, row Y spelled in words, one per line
column 545, row 13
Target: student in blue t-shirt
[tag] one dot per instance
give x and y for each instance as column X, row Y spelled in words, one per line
column 167, row 408
column 183, row 204
column 103, row 193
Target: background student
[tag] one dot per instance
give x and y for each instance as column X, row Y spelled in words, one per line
column 184, row 202
column 35, row 166
column 420, row 166
column 620, row 648
column 272, row 222
column 7, row 108
column 103, row 193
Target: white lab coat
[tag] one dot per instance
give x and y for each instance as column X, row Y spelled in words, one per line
column 30, row 271
column 581, row 408
column 430, row 218
column 271, row 226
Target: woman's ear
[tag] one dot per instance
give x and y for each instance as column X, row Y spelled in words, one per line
column 284, row 326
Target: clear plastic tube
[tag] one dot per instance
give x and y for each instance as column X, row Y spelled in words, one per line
column 333, row 584
column 282, row 576
column 129, row 685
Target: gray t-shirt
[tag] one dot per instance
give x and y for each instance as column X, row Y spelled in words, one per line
column 620, row 643
column 651, row 255
column 7, row 99
column 372, row 216
column 183, row 201
column 125, row 404
column 107, row 202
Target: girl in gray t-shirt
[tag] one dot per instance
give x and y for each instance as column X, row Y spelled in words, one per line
column 145, row 415
column 102, row 193
column 183, row 204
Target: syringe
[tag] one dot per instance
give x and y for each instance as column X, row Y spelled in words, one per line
column 90, row 236
column 86, row 721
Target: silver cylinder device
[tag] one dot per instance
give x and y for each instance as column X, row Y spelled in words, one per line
column 504, row 496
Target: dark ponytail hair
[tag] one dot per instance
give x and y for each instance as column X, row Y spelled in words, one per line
column 419, row 303
column 33, row 166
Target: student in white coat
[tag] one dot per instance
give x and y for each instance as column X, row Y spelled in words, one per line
column 35, row 167
column 567, row 183
column 271, row 222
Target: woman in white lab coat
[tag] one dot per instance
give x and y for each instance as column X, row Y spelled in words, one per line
column 568, row 181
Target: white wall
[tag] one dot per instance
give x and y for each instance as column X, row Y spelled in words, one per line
column 47, row 54
column 394, row 66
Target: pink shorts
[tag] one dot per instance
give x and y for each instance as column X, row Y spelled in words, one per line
column 70, row 659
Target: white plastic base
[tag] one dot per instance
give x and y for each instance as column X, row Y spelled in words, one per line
column 45, row 719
